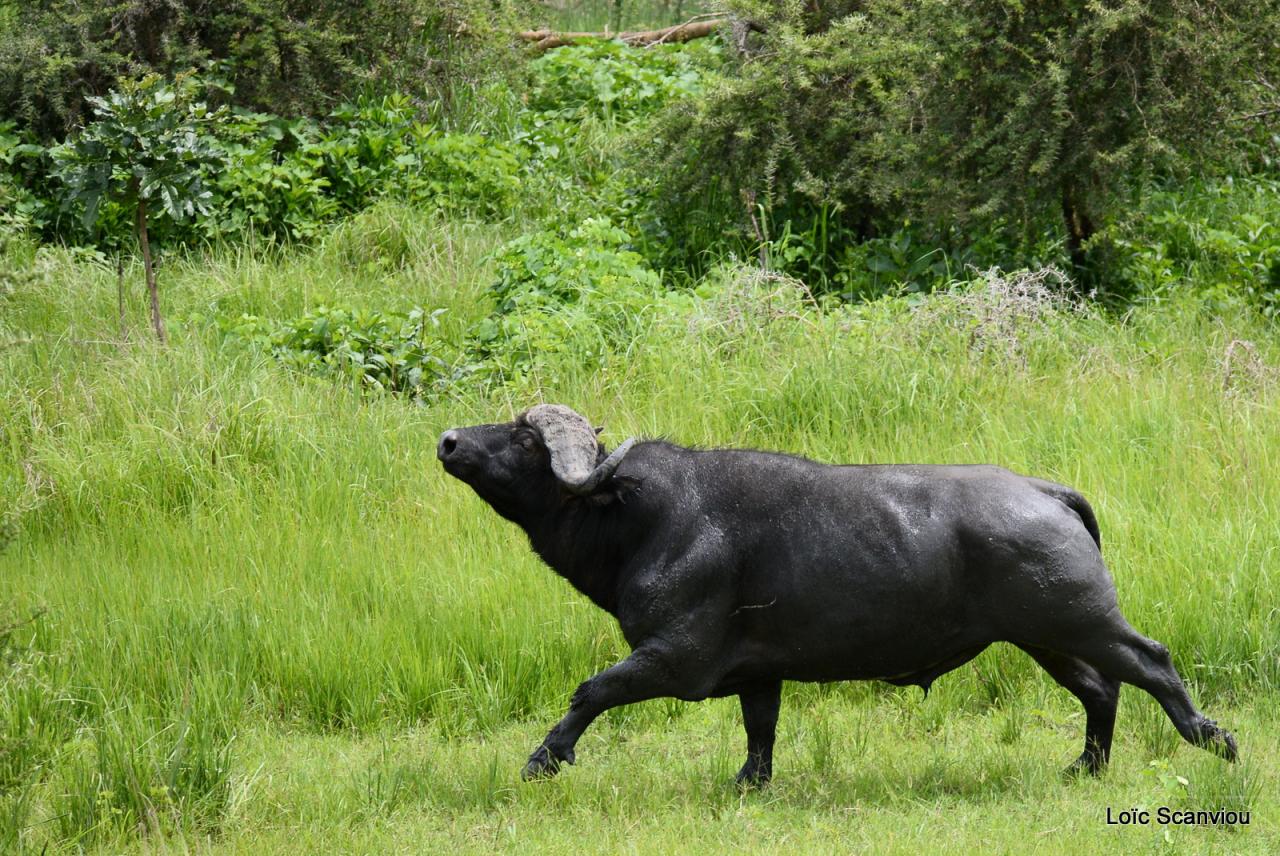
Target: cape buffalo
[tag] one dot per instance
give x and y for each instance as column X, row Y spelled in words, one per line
column 730, row 571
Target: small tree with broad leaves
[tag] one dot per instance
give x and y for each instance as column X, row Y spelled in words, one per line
column 145, row 150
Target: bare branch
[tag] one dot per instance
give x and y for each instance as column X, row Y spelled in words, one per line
column 544, row 40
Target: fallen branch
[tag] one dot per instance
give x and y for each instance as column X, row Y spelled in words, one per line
column 1261, row 114
column 545, row 40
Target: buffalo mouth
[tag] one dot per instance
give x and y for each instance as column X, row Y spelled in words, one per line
column 452, row 456
column 458, row 468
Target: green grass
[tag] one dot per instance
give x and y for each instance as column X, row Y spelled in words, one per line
column 857, row 773
column 273, row 624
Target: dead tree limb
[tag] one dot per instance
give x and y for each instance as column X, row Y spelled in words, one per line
column 545, row 40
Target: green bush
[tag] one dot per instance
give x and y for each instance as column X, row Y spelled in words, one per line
column 381, row 351
column 289, row 178
column 274, row 183
column 1220, row 235
column 608, row 79
column 26, row 184
column 563, row 293
column 284, row 178
column 916, row 257
column 377, row 147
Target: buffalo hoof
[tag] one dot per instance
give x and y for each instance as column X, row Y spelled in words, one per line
column 1219, row 741
column 1085, row 765
column 753, row 775
column 543, row 764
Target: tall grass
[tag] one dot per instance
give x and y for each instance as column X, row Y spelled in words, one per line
column 220, row 546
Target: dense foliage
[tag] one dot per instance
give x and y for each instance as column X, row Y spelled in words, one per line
column 574, row 293
column 1223, row 235
column 282, row 178
column 609, row 80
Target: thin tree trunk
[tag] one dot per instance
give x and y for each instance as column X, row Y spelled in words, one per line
column 157, row 322
column 124, row 324
column 762, row 240
column 615, row 16
column 1079, row 226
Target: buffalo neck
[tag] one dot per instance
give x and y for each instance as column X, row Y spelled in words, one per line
column 582, row 542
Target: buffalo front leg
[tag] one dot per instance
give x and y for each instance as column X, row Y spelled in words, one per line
column 760, row 716
column 642, row 676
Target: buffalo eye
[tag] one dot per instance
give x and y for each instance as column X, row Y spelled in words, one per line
column 526, row 442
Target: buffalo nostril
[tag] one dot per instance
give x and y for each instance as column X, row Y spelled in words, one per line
column 448, row 442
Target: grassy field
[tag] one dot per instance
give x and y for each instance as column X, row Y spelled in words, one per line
column 247, row 611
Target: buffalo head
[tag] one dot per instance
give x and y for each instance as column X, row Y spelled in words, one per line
column 514, row 465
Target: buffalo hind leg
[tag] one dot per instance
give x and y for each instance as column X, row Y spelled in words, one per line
column 1131, row 657
column 760, row 716
column 1098, row 693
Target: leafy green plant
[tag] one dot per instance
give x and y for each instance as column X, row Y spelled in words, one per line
column 376, row 350
column 145, row 150
column 23, row 175
column 608, row 79
column 285, row 178
column 568, row 265
column 273, row 183
column 572, row 292
column 377, row 147
column 466, row 172
column 1222, row 235
column 829, row 258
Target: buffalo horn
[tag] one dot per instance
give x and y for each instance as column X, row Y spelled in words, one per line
column 572, row 443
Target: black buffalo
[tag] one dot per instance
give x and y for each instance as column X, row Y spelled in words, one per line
column 730, row 571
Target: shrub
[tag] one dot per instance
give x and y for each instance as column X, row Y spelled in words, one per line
column 290, row 177
column 465, row 172
column 376, row 147
column 284, row 178
column 610, row 80
column 1221, row 235
column 273, row 183
column 573, row 293
column 24, row 167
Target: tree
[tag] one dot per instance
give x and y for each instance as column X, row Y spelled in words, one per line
column 146, row 151
column 292, row 57
column 1019, row 110
column 987, row 114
